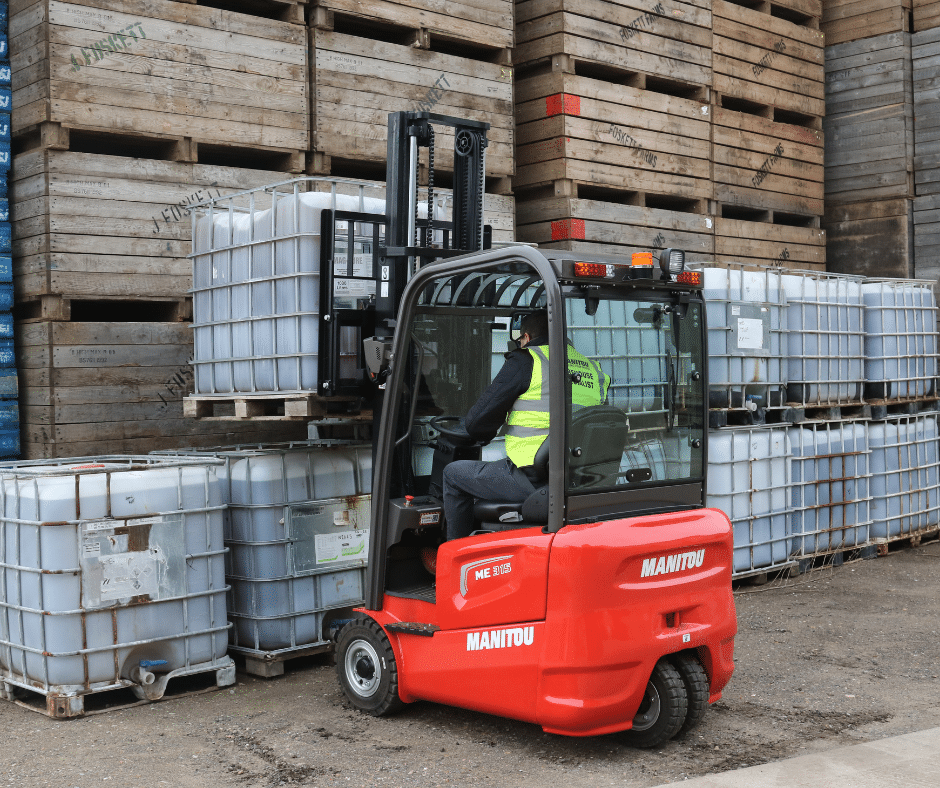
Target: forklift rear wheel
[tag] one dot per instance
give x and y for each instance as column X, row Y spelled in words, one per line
column 663, row 709
column 367, row 669
column 696, row 688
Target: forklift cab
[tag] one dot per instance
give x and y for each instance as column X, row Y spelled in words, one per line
column 640, row 451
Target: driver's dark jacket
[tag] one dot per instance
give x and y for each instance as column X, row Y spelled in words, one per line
column 489, row 412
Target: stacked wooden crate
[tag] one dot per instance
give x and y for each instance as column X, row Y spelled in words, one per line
column 870, row 151
column 125, row 114
column 926, row 78
column 672, row 124
column 369, row 58
column 614, row 124
column 767, row 140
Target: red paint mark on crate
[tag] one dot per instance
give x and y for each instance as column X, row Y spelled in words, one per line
column 562, row 104
column 568, row 228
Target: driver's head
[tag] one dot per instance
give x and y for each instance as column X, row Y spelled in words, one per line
column 534, row 326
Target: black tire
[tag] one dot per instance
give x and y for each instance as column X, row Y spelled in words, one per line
column 365, row 664
column 697, row 689
column 663, row 709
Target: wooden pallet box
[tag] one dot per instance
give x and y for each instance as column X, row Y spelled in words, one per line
column 851, row 20
column 869, row 119
column 356, row 82
column 763, row 164
column 871, row 238
column 926, row 14
column 90, row 226
column 480, row 22
column 774, row 63
column 160, row 68
column 667, row 39
column 599, row 134
column 927, row 237
column 926, row 79
column 580, row 225
column 104, row 388
column 769, row 244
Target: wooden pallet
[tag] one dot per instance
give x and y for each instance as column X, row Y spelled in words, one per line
column 269, row 665
column 582, row 225
column 356, row 82
column 886, row 546
column 925, row 53
column 851, row 20
column 87, row 226
column 285, row 10
column 871, row 238
column 669, row 39
column 115, row 388
column 761, row 163
column 272, row 406
column 161, row 67
column 487, row 23
column 116, row 698
column 869, row 120
column 926, row 15
column 569, row 123
column 761, row 59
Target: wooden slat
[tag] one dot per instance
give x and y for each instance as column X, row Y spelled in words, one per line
column 851, row 20
column 769, row 244
column 872, row 238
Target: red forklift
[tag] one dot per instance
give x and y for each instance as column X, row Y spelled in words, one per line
column 603, row 602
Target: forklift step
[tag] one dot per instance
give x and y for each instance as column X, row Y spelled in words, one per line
column 413, row 628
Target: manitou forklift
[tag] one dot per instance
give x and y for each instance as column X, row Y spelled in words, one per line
column 603, row 602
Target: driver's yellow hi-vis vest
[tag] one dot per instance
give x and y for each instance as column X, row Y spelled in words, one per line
column 528, row 422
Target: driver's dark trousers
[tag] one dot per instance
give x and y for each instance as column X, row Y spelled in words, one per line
column 465, row 480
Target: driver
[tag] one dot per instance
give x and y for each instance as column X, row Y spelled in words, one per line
column 519, row 398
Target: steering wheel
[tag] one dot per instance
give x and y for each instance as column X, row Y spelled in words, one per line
column 460, row 436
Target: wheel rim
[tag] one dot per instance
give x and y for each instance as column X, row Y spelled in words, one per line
column 649, row 709
column 363, row 668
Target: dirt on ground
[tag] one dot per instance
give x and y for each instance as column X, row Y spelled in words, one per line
column 830, row 658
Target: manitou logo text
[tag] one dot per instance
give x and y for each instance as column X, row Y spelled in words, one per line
column 500, row 638
column 666, row 564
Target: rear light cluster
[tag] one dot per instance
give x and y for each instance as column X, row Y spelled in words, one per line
column 596, row 270
column 693, row 278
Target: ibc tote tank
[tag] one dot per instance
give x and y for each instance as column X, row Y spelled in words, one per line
column 824, row 340
column 256, row 288
column 830, row 488
column 900, row 339
column 111, row 575
column 749, row 480
column 746, row 337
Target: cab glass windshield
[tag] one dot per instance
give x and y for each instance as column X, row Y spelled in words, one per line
column 636, row 405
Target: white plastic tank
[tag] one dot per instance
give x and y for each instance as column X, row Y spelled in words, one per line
column 749, row 480
column 746, row 336
column 256, row 289
column 824, row 338
column 112, row 574
column 905, row 477
column 830, row 488
column 297, row 530
column 900, row 339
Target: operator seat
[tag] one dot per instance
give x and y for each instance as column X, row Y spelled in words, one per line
column 597, row 439
column 502, row 516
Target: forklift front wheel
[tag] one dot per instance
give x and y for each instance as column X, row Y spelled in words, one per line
column 662, row 710
column 367, row 669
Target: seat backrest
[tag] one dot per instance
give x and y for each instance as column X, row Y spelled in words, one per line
column 540, row 464
column 596, row 443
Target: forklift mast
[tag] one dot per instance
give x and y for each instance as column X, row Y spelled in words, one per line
column 410, row 238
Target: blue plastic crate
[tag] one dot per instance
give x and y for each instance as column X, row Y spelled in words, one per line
column 9, row 384
column 6, row 100
column 4, row 48
column 4, row 126
column 6, row 241
column 4, row 210
column 4, row 160
column 9, row 414
column 5, row 75
column 6, row 329
column 6, row 268
column 7, row 356
column 9, row 444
